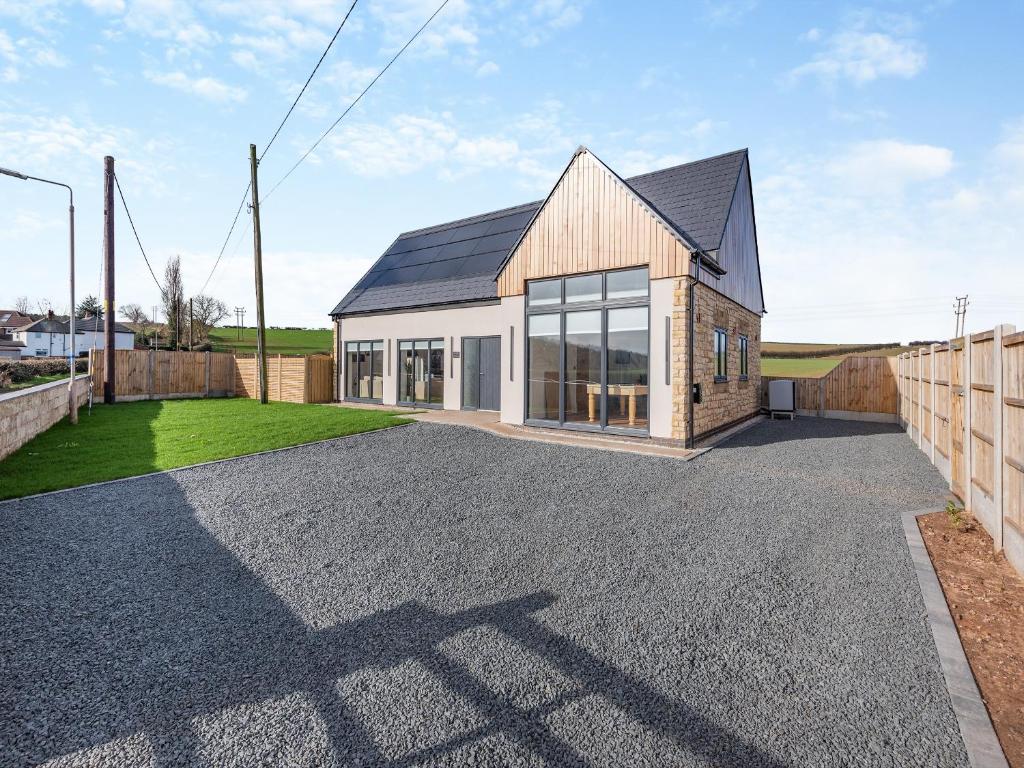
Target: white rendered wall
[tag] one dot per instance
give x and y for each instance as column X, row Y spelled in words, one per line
column 503, row 319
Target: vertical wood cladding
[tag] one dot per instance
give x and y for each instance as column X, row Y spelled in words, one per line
column 592, row 222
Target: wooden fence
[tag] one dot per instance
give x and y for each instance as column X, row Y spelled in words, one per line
column 145, row 374
column 962, row 402
column 859, row 388
column 290, row 379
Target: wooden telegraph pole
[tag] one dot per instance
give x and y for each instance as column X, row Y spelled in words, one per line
column 191, row 324
column 108, row 282
column 257, row 246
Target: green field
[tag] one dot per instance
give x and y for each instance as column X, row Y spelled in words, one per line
column 279, row 341
column 129, row 439
column 772, row 348
column 802, row 367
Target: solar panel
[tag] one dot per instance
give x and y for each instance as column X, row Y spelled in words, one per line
column 440, row 270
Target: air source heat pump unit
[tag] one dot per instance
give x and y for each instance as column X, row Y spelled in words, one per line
column 782, row 397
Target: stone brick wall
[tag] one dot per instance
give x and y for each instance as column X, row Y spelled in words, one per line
column 723, row 402
column 26, row 413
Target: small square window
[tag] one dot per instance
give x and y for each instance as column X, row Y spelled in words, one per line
column 540, row 292
column 627, row 283
column 583, row 288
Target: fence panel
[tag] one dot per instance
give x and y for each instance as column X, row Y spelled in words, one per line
column 979, row 425
column 859, row 387
column 1013, row 430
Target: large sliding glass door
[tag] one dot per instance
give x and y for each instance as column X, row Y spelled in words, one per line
column 421, row 372
column 588, row 351
column 364, row 361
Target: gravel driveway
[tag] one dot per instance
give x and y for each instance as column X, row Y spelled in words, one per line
column 437, row 595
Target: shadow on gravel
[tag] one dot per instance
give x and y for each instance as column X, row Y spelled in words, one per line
column 122, row 622
column 807, row 428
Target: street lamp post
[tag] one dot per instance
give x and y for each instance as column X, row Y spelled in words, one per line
column 72, row 405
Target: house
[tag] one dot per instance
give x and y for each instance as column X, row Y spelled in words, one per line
column 628, row 306
column 11, row 320
column 10, row 348
column 51, row 336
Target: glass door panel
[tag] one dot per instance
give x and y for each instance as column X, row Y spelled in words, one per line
column 421, row 369
column 628, row 367
column 406, row 372
column 583, row 367
column 377, row 370
column 543, row 345
column 436, row 373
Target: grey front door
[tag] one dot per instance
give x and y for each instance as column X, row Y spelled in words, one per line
column 481, row 373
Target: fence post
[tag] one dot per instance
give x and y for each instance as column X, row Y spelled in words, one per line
column 920, row 401
column 931, row 453
column 998, row 450
column 207, row 365
column 151, row 364
column 968, row 437
column 821, row 394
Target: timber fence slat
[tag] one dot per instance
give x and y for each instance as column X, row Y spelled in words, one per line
column 975, row 404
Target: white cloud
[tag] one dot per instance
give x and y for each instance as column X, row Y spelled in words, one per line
column 487, row 69
column 106, row 6
column 208, row 88
column 827, row 231
column 546, row 16
column 888, row 166
column 870, row 47
column 725, row 12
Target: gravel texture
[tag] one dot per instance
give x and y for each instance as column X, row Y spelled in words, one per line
column 437, row 595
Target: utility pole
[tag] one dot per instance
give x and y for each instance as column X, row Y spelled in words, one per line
column 191, row 323
column 257, row 247
column 108, row 280
column 239, row 322
column 961, row 315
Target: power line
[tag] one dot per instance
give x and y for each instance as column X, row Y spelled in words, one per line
column 248, row 186
column 136, row 233
column 234, row 223
column 356, row 100
column 309, row 79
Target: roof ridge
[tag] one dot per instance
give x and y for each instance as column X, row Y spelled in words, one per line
column 744, row 150
column 465, row 220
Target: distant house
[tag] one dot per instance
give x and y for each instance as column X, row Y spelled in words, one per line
column 51, row 336
column 10, row 348
column 11, row 320
column 615, row 305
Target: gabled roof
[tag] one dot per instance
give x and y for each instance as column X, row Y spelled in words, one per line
column 12, row 318
column 62, row 324
column 460, row 260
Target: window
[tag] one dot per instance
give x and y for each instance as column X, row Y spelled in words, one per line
column 364, row 361
column 583, row 288
column 541, row 292
column 743, row 357
column 588, row 366
column 627, row 283
column 721, row 355
column 421, row 371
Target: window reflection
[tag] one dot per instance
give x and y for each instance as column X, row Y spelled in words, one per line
column 544, row 332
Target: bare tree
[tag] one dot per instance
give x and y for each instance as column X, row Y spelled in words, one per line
column 173, row 295
column 44, row 306
column 206, row 313
column 134, row 313
column 22, row 305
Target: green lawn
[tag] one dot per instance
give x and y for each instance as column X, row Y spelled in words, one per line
column 34, row 381
column 279, row 341
column 135, row 438
column 798, row 367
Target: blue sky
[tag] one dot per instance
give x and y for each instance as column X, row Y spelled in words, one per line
column 886, row 140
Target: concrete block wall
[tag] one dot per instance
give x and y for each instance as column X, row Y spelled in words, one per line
column 725, row 402
column 28, row 412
